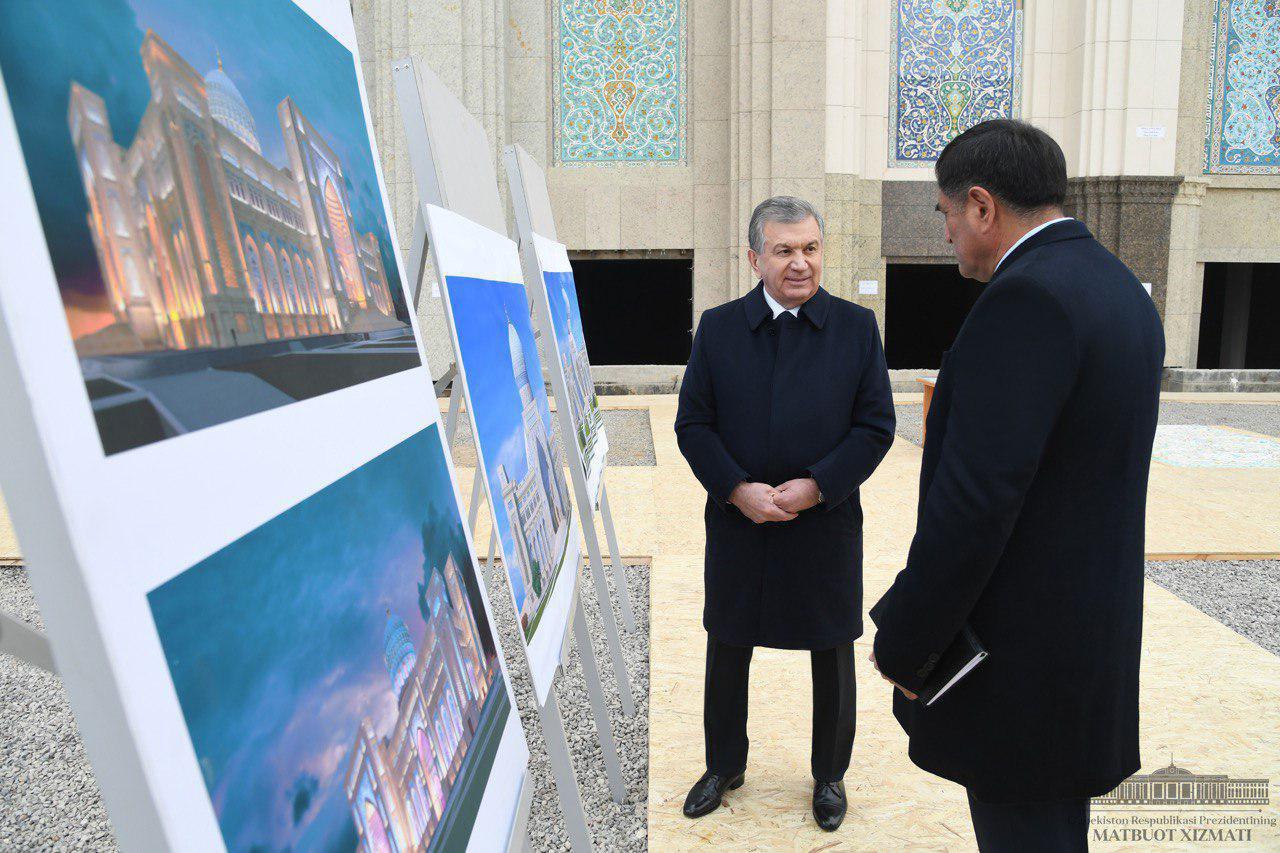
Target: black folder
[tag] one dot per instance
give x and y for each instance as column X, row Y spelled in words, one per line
column 965, row 652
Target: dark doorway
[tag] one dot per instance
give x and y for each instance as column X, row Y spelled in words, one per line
column 636, row 310
column 925, row 304
column 1240, row 317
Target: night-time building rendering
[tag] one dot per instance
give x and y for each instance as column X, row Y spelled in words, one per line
column 399, row 784
column 204, row 242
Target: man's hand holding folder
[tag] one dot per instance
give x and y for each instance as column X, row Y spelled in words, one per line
column 958, row 660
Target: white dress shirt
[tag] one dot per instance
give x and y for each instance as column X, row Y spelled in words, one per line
column 1027, row 236
column 776, row 306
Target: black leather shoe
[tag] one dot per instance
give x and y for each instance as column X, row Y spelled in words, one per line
column 829, row 804
column 705, row 795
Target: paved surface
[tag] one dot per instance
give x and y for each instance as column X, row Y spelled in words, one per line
column 1208, row 693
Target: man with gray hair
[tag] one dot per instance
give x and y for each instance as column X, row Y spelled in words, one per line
column 785, row 410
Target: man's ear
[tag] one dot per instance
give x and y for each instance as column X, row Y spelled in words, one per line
column 984, row 205
column 754, row 260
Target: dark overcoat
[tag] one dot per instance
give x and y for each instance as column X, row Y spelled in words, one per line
column 1033, row 494
column 768, row 400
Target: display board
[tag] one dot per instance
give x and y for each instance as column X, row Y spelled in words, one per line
column 221, row 454
column 569, row 350
column 522, row 468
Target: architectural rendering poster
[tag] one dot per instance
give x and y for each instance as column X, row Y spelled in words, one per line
column 528, row 494
column 272, row 631
column 570, row 351
column 344, row 691
column 206, row 190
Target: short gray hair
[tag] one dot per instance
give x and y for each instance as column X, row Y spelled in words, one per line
column 780, row 208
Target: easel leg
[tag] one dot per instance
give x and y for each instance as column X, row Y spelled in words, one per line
column 474, row 509
column 604, row 729
column 606, row 618
column 575, row 819
column 451, row 416
column 615, row 555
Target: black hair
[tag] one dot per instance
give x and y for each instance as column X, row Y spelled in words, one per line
column 1016, row 162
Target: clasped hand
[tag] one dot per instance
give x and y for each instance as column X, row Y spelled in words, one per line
column 761, row 502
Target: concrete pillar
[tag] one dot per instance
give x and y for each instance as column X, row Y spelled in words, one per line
column 778, row 91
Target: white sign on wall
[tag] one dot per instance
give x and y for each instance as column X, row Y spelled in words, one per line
column 868, row 287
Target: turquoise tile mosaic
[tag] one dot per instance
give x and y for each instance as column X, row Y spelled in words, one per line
column 1244, row 88
column 956, row 63
column 620, row 92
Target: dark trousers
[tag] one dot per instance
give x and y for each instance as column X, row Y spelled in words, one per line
column 1059, row 826
column 724, row 711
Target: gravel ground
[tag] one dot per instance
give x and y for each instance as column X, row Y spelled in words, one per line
column 1243, row 595
column 48, row 797
column 50, row 801
column 1263, row 418
column 630, row 438
column 910, row 417
column 614, row 826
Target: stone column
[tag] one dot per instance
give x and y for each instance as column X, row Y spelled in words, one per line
column 1134, row 218
column 778, row 91
column 1184, row 286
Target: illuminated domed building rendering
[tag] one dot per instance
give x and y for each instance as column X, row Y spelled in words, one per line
column 204, row 242
column 538, row 503
column 399, row 784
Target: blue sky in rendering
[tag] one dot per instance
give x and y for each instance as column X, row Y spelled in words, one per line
column 270, row 49
column 480, row 311
column 275, row 643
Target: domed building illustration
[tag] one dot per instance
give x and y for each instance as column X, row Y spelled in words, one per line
column 202, row 241
column 536, row 500
column 583, row 405
column 399, row 784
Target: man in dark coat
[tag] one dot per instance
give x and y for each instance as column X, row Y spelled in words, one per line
column 1033, row 492
column 785, row 410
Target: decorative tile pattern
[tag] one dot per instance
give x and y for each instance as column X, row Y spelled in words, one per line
column 1214, row 447
column 620, row 81
column 1244, row 88
column 957, row 63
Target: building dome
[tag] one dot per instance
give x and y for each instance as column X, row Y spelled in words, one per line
column 518, row 366
column 229, row 107
column 398, row 652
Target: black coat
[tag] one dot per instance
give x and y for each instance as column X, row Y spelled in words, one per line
column 769, row 400
column 1033, row 494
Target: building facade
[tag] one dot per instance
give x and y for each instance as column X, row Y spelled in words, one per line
column 662, row 124
column 1177, row 786
column 577, row 373
column 398, row 782
column 537, row 503
column 203, row 241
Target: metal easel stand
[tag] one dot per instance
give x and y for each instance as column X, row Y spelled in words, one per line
column 418, row 251
column 552, row 724
column 615, row 557
column 416, row 88
column 25, row 643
